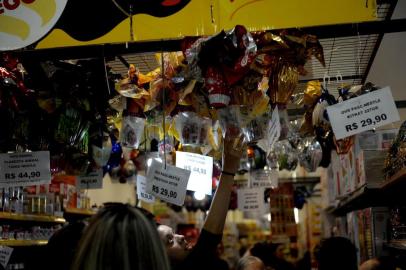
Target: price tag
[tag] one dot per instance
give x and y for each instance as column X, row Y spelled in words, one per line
column 274, row 128
column 363, row 113
column 93, row 180
column 169, row 185
column 264, row 178
column 5, row 254
column 25, row 169
column 251, row 199
column 142, row 194
column 201, row 168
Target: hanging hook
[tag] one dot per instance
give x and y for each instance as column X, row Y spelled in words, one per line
column 326, row 78
column 339, row 77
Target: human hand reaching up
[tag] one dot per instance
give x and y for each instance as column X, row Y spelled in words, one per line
column 233, row 148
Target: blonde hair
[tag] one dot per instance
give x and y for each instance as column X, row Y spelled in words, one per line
column 246, row 261
column 121, row 237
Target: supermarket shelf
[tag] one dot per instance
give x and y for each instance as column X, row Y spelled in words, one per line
column 397, row 244
column 81, row 212
column 37, row 218
column 23, row 243
column 362, row 197
column 396, row 181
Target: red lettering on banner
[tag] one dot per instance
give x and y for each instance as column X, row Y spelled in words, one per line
column 12, row 4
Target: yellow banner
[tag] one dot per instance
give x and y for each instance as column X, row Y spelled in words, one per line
column 169, row 19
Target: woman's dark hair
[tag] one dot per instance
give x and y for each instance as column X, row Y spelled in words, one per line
column 61, row 247
column 336, row 253
column 121, row 237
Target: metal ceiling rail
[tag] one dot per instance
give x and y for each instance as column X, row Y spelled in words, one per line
column 111, row 50
column 378, row 41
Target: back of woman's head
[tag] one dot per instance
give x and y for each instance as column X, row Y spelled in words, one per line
column 121, row 237
column 337, row 253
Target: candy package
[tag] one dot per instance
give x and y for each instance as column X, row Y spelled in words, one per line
column 192, row 129
column 132, row 129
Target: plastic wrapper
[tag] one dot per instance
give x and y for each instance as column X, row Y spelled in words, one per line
column 113, row 164
column 192, row 58
column 192, row 129
column 282, row 82
column 232, row 52
column 132, row 129
column 320, row 117
column 231, row 121
column 256, row 157
column 343, row 146
column 163, row 95
column 101, row 155
column 312, row 93
column 215, row 136
column 219, row 91
column 286, row 155
column 255, row 130
column 310, row 153
column 294, row 132
column 73, row 130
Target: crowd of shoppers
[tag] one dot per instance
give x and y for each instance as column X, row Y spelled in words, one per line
column 124, row 237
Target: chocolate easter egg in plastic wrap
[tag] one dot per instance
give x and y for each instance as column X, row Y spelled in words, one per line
column 286, row 155
column 294, row 132
column 282, row 82
column 343, row 145
column 101, row 154
column 131, row 131
column 310, row 153
column 192, row 129
column 320, row 117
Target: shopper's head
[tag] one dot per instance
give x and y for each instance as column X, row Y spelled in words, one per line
column 121, row 237
column 61, row 247
column 382, row 263
column 336, row 253
column 176, row 245
column 250, row 263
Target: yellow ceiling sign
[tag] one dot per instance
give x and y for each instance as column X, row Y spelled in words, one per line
column 168, row 19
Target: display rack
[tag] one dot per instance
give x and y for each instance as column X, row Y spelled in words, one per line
column 362, row 197
column 23, row 243
column 399, row 245
column 396, row 181
column 35, row 218
column 81, row 212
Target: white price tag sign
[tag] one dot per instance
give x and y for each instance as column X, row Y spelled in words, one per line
column 274, row 128
column 264, row 178
column 142, row 194
column 5, row 254
column 93, row 180
column 201, row 168
column 25, row 169
column 169, row 185
column 251, row 199
column 363, row 113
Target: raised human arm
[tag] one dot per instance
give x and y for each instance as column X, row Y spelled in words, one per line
column 232, row 152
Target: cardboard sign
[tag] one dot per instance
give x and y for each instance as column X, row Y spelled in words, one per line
column 25, row 169
column 201, row 168
column 251, row 199
column 167, row 184
column 5, row 254
column 142, row 194
column 264, row 178
column 363, row 113
column 274, row 128
column 93, row 180
column 24, row 22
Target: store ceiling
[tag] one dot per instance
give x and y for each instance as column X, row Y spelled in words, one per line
column 350, row 56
